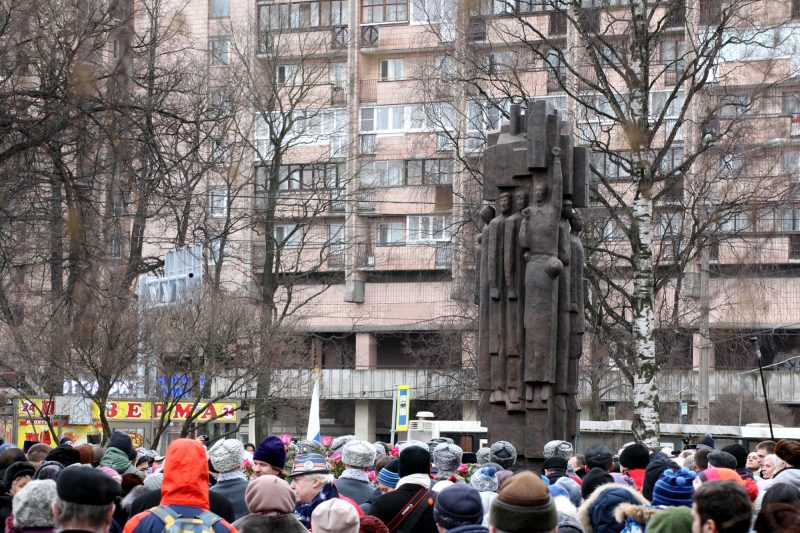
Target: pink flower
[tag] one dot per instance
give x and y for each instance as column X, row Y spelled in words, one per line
column 286, row 439
column 395, row 452
column 327, row 440
column 247, row 463
column 462, row 468
column 336, row 457
column 371, row 475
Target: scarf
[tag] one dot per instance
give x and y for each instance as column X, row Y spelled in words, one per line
column 415, row 479
column 357, row 475
column 303, row 510
column 234, row 474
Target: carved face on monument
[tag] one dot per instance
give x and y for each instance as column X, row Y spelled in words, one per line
column 504, row 203
column 521, row 199
column 540, row 189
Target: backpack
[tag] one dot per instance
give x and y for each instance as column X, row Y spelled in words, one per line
column 175, row 523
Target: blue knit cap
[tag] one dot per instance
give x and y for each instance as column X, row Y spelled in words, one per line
column 674, row 488
column 272, row 452
column 387, row 476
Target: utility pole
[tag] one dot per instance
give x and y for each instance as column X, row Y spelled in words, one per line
column 705, row 339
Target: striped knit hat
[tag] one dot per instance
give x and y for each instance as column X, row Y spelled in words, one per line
column 388, row 475
column 674, row 488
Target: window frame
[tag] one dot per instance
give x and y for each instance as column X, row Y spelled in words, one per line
column 291, row 235
column 420, row 235
column 214, row 13
column 388, row 69
column 215, row 210
column 369, row 8
column 218, row 60
column 394, row 230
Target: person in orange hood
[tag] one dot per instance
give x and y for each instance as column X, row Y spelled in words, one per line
column 184, row 493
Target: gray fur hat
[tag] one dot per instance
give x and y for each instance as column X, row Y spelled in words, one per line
column 339, row 442
column 49, row 470
column 226, row 455
column 484, row 479
column 503, row 453
column 433, row 443
column 380, row 449
column 358, row 453
column 483, row 455
column 154, row 481
column 305, row 447
column 447, row 457
column 558, row 448
column 32, row 505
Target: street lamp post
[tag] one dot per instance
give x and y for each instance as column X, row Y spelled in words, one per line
column 754, row 340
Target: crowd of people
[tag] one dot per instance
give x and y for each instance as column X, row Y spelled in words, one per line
column 354, row 486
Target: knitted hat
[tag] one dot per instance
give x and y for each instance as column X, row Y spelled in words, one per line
column 358, row 453
column 414, row 460
column 558, row 448
column 671, row 520
column 310, row 463
column 447, row 457
column 484, row 480
column 16, row 471
column 49, row 470
column 555, row 462
column 272, row 452
column 226, row 455
column 310, row 446
column 523, row 504
column 789, row 451
column 719, row 474
column 269, row 494
column 458, row 505
column 154, row 481
column 334, row 516
column 721, row 459
column 635, row 456
column 372, row 524
column 706, row 442
column 653, row 472
column 28, row 444
column 122, row 442
column 338, row 443
column 483, row 455
column 739, row 452
column 31, row 506
column 595, row 478
column 674, row 488
column 504, row 454
column 388, row 475
column 86, row 453
column 572, row 488
column 64, row 454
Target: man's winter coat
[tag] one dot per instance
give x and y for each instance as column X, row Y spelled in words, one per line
column 358, row 491
column 185, row 489
column 278, row 523
column 389, row 505
column 233, row 490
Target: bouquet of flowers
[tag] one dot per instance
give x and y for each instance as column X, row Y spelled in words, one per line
column 247, row 466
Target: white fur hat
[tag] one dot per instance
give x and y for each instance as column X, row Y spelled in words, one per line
column 358, row 453
column 31, row 505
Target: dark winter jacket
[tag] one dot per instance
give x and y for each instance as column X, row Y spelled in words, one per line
column 597, row 513
column 388, row 505
column 233, row 490
column 220, row 505
column 358, row 491
column 470, row 528
column 278, row 523
column 303, row 510
column 5, row 510
column 185, row 489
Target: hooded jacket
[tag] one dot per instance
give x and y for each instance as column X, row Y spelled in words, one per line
column 185, row 488
column 597, row 512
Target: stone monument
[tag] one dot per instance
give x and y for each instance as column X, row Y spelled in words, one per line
column 529, row 284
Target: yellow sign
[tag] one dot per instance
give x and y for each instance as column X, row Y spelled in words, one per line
column 38, row 431
column 36, row 408
column 403, row 400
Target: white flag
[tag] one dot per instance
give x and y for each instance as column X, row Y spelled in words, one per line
column 313, row 415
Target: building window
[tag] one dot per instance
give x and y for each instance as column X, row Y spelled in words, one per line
column 671, row 161
column 391, row 232
column 219, row 100
column 220, row 51
column 661, row 99
column 669, row 224
column 218, row 201
column 611, row 165
column 616, row 230
column 672, row 53
column 556, row 67
column 382, row 119
column 383, row 174
column 733, row 105
column 789, row 218
column 286, row 74
column 219, row 151
column 117, row 49
column 116, row 246
column 430, row 172
column 391, row 69
column 428, row 228
column 731, row 165
column 502, row 62
column 287, row 235
column 791, row 162
column 375, row 11
column 220, row 9
column 431, row 10
column 338, row 73
column 791, row 102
